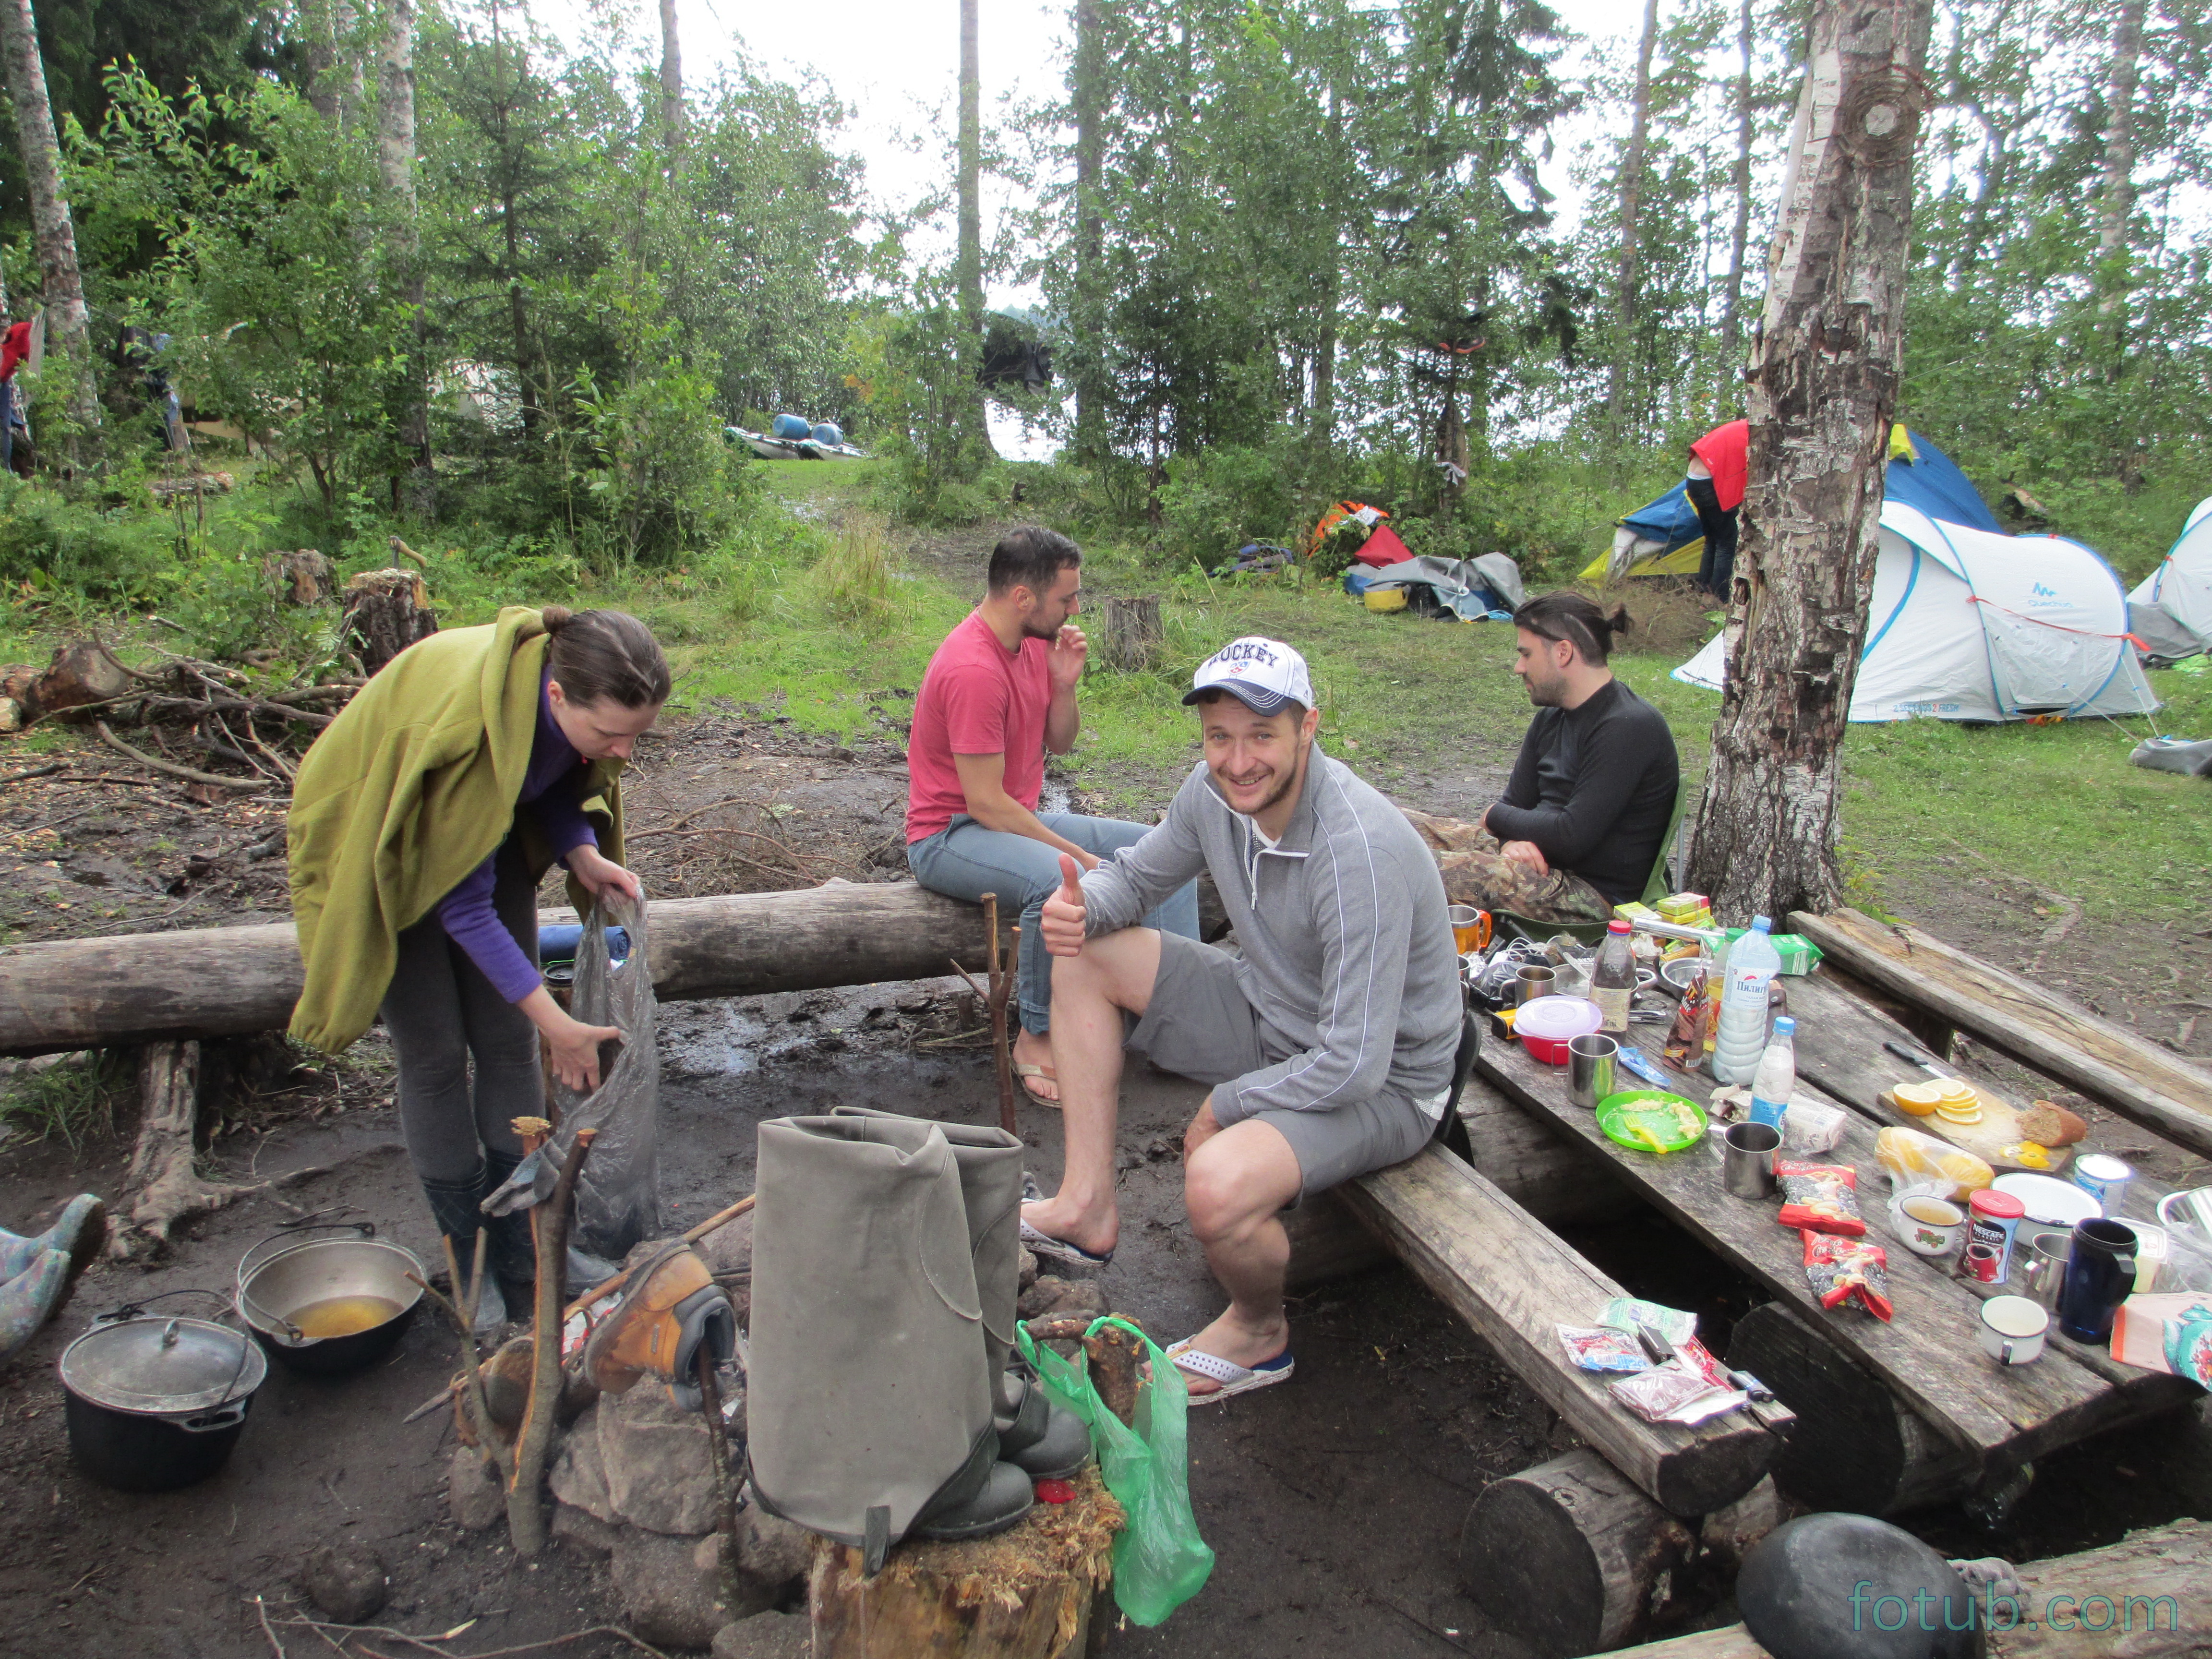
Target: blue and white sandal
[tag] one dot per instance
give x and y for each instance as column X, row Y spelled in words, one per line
column 1234, row 1378
column 1045, row 1246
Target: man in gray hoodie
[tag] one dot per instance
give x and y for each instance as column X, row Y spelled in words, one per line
column 1328, row 1037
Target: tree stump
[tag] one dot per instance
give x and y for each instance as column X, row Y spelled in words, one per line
column 1129, row 633
column 304, row 572
column 1570, row 1557
column 385, row 613
column 1040, row 1590
column 164, row 1185
column 1855, row 1446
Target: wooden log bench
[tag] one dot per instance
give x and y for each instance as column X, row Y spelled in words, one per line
column 2121, row 1069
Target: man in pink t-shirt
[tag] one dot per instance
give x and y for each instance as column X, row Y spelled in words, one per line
column 999, row 693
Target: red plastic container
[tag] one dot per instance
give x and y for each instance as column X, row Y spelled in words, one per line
column 1547, row 1025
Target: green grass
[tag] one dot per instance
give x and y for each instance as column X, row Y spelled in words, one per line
column 74, row 1100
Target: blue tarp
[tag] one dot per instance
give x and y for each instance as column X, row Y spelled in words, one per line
column 1670, row 519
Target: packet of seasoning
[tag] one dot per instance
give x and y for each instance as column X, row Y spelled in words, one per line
column 1685, row 1036
column 1601, row 1348
column 1676, row 1392
column 1820, row 1197
column 1842, row 1270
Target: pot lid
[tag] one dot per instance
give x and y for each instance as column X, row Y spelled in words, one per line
column 1555, row 1018
column 164, row 1365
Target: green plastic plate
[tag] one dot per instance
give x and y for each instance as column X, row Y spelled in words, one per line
column 1647, row 1121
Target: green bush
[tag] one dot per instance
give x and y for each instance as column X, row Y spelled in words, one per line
column 1218, row 500
column 52, row 546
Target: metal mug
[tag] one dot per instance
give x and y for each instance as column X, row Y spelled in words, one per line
column 2042, row 1257
column 1589, row 1069
column 1534, row 980
column 1747, row 1159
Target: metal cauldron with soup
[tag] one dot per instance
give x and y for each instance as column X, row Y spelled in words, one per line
column 329, row 1305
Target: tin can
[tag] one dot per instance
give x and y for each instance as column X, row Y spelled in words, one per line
column 2104, row 1177
column 1991, row 1219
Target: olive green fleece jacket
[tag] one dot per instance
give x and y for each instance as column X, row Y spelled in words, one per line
column 409, row 789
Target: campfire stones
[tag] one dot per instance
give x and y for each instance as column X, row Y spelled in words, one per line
column 670, row 1587
column 653, row 1459
column 765, row 1636
column 473, row 1492
column 346, row 1582
column 1063, row 1298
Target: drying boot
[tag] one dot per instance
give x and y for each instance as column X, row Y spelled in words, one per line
column 512, row 1256
column 78, row 1235
column 454, row 1208
column 1043, row 1439
column 670, row 1309
column 29, row 1300
column 868, row 1396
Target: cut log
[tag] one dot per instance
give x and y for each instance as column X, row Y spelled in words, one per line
column 1513, row 1282
column 199, row 483
column 164, row 1186
column 2151, row 1592
column 134, row 988
column 1855, row 1446
column 1570, row 1558
column 1038, row 1591
column 82, row 672
column 304, row 573
column 1129, row 633
column 384, row 613
column 2123, row 1070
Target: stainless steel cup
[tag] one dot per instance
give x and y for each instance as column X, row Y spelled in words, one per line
column 1747, row 1159
column 1589, row 1069
column 2043, row 1257
column 1536, row 980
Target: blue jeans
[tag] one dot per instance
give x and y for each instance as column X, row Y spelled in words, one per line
column 965, row 860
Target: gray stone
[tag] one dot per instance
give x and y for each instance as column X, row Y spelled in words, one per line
column 346, row 1582
column 671, row 1588
column 1029, row 1268
column 770, row 1549
column 584, row 1529
column 473, row 1491
column 656, row 1461
column 580, row 1476
column 728, row 1250
column 766, row 1636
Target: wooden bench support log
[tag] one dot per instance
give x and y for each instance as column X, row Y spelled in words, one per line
column 1855, row 1446
column 2158, row 1581
column 164, row 1175
column 1570, row 1558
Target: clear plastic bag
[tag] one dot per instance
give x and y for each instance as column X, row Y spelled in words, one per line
column 1159, row 1560
column 618, row 1194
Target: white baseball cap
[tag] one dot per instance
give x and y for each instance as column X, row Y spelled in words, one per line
column 1263, row 673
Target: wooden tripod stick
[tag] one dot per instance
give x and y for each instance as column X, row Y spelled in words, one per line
column 1002, row 985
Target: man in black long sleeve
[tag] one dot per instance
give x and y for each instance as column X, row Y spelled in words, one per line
column 1581, row 821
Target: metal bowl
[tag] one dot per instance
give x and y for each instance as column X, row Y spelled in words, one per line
column 283, row 1278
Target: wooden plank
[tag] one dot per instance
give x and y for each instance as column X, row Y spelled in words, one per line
column 1515, row 1282
column 135, row 988
column 1929, row 1353
column 2126, row 1071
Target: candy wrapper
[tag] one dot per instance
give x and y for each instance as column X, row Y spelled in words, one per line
column 1843, row 1270
column 1679, row 1391
column 1626, row 1313
column 1686, row 1038
column 1822, row 1198
column 1601, row 1348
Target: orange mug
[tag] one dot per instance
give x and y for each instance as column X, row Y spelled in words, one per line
column 1470, row 929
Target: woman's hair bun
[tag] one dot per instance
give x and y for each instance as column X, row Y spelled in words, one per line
column 556, row 618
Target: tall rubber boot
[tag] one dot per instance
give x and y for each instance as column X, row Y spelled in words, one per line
column 1045, row 1440
column 513, row 1255
column 453, row 1209
column 30, row 1298
column 868, row 1397
column 78, row 1235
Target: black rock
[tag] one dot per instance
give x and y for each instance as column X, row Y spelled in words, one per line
column 1836, row 1586
column 346, row 1582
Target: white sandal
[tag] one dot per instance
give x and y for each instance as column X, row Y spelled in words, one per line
column 1234, row 1378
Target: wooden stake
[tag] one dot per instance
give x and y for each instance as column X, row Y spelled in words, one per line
column 1002, row 983
column 549, row 1225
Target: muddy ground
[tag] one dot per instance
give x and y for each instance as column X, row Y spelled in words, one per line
column 1334, row 1504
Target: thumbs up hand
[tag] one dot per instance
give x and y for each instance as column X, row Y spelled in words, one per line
column 1061, row 923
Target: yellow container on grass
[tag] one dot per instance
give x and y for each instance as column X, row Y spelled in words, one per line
column 1385, row 599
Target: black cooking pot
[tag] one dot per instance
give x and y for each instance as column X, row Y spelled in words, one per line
column 156, row 1403
column 284, row 1280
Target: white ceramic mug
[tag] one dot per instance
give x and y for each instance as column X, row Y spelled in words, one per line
column 2012, row 1329
column 1926, row 1223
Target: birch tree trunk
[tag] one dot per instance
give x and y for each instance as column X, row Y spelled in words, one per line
column 1740, row 232
column 2116, row 188
column 1089, row 89
column 671, row 76
column 53, row 230
column 968, row 263
column 1820, row 396
column 1627, row 274
column 395, row 166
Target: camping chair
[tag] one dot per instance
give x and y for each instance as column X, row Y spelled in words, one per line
column 1664, row 875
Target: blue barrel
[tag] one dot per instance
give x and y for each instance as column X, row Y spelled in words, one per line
column 792, row 428
column 827, row 432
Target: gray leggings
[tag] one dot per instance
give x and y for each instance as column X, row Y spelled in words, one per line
column 442, row 1012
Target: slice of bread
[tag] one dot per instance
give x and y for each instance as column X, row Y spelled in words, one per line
column 2051, row 1126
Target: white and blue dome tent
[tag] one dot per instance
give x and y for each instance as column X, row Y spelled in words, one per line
column 2171, row 609
column 1968, row 623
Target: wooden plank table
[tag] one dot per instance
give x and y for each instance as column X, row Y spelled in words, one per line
column 1929, row 1356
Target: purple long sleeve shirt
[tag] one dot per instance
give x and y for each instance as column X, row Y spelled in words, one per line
column 549, row 790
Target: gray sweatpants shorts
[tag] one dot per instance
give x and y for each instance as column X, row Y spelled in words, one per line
column 1199, row 1025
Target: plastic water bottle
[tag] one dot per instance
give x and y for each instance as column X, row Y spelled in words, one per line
column 1777, row 1076
column 1740, row 1037
column 1612, row 980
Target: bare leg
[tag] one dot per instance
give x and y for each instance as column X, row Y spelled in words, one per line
column 1031, row 1049
column 1235, row 1187
column 1090, row 994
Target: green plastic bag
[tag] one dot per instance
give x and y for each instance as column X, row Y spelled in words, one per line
column 1159, row 1560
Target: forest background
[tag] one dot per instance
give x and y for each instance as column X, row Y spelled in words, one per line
column 435, row 275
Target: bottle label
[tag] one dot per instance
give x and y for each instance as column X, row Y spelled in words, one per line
column 1612, row 1007
column 1768, row 1111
